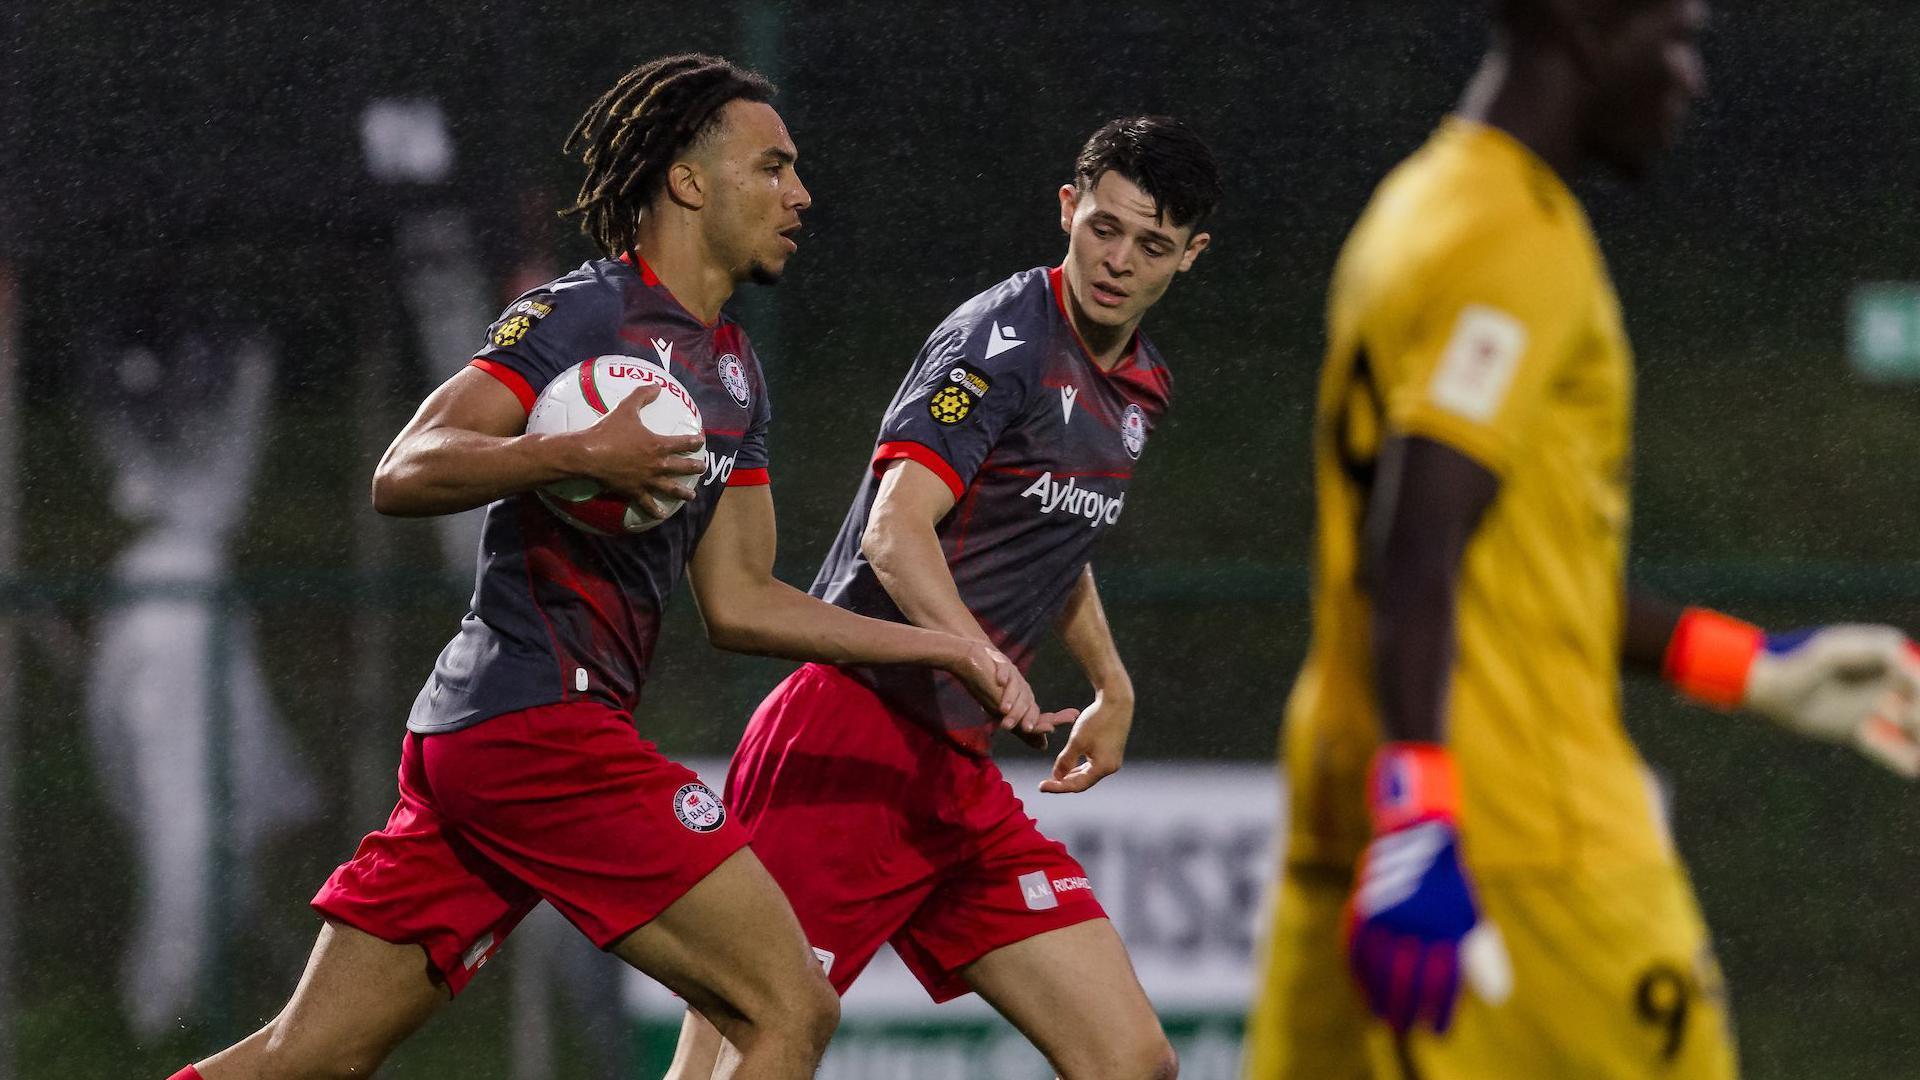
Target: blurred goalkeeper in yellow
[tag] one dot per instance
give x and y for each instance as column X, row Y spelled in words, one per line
column 1479, row 880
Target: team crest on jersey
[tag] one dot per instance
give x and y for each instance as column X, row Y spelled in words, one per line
column 518, row 321
column 698, row 808
column 1133, row 430
column 953, row 402
column 733, row 376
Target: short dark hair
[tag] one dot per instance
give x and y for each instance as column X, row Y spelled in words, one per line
column 1162, row 155
column 629, row 136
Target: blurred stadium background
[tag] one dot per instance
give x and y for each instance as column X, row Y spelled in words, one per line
column 178, row 170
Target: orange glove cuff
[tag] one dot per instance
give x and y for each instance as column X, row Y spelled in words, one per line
column 1411, row 782
column 1709, row 656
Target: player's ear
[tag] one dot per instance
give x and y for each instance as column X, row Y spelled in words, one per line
column 1069, row 200
column 686, row 184
column 1195, row 245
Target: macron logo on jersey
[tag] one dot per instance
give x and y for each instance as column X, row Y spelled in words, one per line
column 1070, row 498
column 665, row 348
column 1002, row 339
column 1067, row 394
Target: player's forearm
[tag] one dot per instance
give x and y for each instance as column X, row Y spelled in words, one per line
column 776, row 619
column 1427, row 503
column 906, row 556
column 1413, row 649
column 1089, row 640
column 447, row 470
column 1646, row 629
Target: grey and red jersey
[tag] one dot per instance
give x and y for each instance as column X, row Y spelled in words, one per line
column 559, row 614
column 1038, row 444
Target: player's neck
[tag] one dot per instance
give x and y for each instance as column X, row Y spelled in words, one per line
column 685, row 265
column 1105, row 345
column 1531, row 100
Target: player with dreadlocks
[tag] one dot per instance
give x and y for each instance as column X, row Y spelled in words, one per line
column 522, row 776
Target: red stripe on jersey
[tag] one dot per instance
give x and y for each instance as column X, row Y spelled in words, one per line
column 589, row 391
column 511, row 379
column 647, row 276
column 748, row 478
column 913, row 451
column 652, row 281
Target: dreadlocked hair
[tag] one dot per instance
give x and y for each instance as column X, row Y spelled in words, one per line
column 631, row 134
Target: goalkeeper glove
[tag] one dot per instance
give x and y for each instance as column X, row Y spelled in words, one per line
column 1858, row 685
column 1413, row 920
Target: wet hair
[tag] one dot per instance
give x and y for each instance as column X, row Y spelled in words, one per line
column 1164, row 157
column 633, row 132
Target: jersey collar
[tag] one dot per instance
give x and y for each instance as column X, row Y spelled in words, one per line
column 1057, row 281
column 651, row 280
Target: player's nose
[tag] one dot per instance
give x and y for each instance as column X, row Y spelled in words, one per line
column 799, row 198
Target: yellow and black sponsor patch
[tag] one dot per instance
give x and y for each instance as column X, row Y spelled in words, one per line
column 519, row 320
column 965, row 384
column 949, row 405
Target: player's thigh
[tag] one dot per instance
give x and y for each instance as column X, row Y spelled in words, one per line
column 732, row 948
column 358, row 999
column 1614, row 979
column 1308, row 1020
column 1073, row 993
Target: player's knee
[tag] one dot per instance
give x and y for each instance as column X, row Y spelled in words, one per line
column 1162, row 1063
column 804, row 1015
column 817, row 1013
column 1136, row 1059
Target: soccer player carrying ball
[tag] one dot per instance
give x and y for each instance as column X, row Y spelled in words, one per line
column 1005, row 456
column 522, row 776
column 1479, row 881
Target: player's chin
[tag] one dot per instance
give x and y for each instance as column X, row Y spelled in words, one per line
column 763, row 272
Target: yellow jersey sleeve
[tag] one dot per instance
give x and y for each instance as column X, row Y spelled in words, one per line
column 1488, row 330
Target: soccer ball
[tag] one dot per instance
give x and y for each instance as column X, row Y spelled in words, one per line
column 577, row 398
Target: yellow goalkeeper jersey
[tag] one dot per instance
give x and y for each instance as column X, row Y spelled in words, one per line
column 1471, row 306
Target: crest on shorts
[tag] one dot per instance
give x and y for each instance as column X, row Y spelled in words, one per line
column 1133, row 430
column 698, row 808
column 518, row 321
column 733, row 376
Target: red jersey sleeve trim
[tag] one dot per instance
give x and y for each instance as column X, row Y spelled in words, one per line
column 748, row 478
column 913, row 451
column 509, row 378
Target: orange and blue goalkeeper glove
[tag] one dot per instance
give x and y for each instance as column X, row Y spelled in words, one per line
column 1857, row 685
column 1413, row 916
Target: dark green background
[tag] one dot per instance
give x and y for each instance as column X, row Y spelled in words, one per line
column 163, row 155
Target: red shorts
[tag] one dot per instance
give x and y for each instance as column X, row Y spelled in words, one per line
column 881, row 831
column 564, row 803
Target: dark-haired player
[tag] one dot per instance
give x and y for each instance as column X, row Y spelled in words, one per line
column 1458, row 772
column 522, row 776
column 1005, row 456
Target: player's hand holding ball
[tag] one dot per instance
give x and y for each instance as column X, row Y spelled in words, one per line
column 1413, row 922
column 639, row 436
column 1849, row 684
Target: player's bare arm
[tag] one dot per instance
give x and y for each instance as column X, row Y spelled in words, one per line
column 748, row 610
column 466, row 447
column 1098, row 742
column 1428, row 500
column 901, row 543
